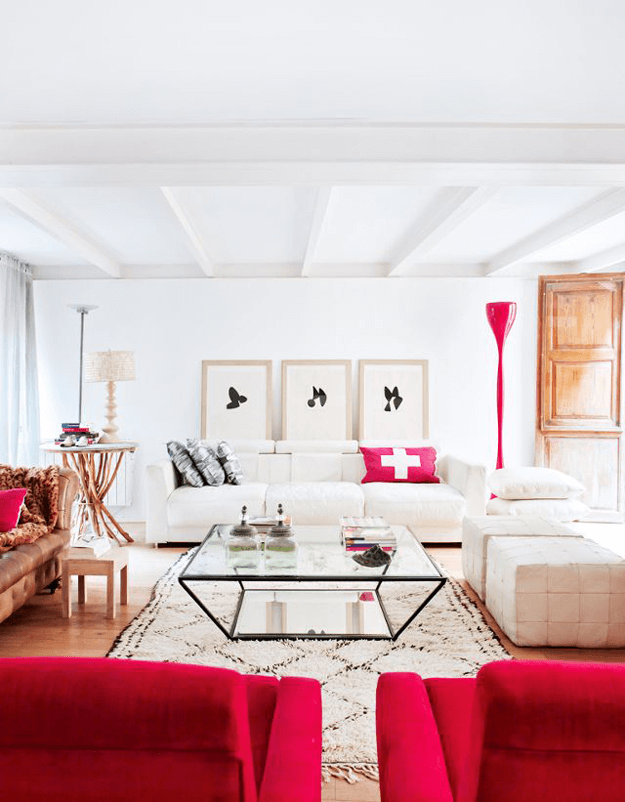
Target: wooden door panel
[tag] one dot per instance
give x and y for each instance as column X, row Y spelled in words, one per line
column 582, row 390
column 579, row 383
column 592, row 460
column 583, row 319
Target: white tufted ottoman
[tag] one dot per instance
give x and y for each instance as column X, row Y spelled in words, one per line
column 554, row 591
column 477, row 531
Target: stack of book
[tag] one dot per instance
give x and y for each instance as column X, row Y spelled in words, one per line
column 360, row 534
column 77, row 431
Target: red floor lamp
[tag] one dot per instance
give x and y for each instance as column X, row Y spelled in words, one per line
column 501, row 316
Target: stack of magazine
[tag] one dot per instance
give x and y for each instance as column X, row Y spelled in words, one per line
column 360, row 534
column 89, row 546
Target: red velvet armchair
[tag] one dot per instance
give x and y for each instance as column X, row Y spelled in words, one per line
column 521, row 731
column 77, row 729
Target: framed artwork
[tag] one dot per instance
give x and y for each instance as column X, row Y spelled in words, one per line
column 316, row 399
column 236, row 399
column 394, row 399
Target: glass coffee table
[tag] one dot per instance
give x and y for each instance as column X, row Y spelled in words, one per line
column 327, row 595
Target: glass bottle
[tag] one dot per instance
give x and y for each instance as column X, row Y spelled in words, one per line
column 243, row 545
column 280, row 545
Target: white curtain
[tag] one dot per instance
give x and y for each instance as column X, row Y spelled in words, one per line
column 19, row 392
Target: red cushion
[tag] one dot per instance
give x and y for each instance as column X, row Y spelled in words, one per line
column 400, row 465
column 85, row 729
column 554, row 730
column 10, row 507
column 452, row 704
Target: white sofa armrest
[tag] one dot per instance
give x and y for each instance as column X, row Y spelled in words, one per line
column 469, row 479
column 161, row 482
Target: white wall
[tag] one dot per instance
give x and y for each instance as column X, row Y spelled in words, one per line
column 172, row 325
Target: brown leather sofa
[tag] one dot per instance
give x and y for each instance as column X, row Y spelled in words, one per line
column 27, row 569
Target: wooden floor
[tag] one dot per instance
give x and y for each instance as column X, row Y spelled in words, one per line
column 38, row 629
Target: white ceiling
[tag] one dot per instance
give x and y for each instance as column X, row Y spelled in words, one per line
column 193, row 61
column 238, row 138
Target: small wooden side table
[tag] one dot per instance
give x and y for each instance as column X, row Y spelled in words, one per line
column 109, row 565
column 97, row 467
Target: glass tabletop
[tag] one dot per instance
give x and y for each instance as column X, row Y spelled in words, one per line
column 320, row 556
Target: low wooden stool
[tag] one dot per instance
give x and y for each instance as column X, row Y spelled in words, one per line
column 108, row 565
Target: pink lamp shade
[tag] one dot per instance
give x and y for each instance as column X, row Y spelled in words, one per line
column 501, row 316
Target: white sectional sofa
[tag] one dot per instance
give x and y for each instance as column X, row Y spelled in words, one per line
column 317, row 482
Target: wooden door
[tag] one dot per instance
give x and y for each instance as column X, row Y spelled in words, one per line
column 579, row 385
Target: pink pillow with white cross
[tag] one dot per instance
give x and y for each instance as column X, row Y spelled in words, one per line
column 416, row 465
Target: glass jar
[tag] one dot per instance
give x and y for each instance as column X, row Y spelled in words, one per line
column 243, row 545
column 280, row 545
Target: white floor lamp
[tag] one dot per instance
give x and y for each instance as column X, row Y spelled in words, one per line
column 110, row 367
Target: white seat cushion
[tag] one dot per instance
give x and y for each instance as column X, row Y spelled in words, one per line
column 418, row 505
column 316, row 502
column 556, row 591
column 476, row 532
column 189, row 507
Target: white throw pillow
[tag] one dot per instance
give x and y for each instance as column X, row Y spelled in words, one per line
column 560, row 509
column 529, row 483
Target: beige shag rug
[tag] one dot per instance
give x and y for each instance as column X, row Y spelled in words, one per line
column 449, row 638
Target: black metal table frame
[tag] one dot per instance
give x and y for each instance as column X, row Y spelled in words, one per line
column 230, row 632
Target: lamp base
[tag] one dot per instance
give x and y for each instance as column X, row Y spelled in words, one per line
column 110, row 432
column 106, row 438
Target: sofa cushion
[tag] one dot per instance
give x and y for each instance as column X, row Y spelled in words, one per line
column 316, row 502
column 184, row 464
column 415, row 465
column 532, row 483
column 207, row 463
column 10, row 507
column 205, row 506
column 317, row 446
column 230, row 463
column 316, row 468
column 561, row 509
column 415, row 504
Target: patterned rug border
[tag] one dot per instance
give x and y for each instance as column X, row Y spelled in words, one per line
column 132, row 635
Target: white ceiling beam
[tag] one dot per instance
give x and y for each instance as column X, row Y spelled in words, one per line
column 589, row 214
column 193, row 236
column 312, row 155
column 603, row 260
column 318, row 219
column 452, row 206
column 312, row 174
column 59, row 228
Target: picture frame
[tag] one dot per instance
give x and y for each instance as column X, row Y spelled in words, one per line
column 236, row 399
column 316, row 399
column 393, row 399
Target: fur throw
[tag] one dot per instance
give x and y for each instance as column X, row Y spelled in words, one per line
column 41, row 504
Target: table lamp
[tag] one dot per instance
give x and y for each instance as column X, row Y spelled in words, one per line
column 110, row 367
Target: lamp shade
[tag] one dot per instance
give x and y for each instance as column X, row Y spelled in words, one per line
column 110, row 366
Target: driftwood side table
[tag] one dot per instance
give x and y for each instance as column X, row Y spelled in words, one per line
column 97, row 466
